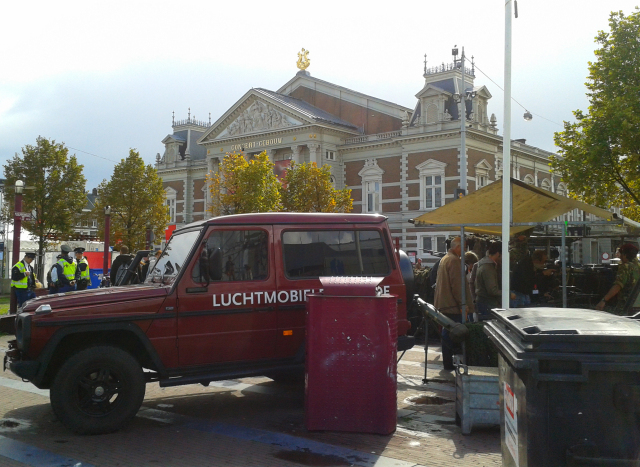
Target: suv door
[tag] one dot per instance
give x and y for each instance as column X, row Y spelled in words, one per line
column 224, row 308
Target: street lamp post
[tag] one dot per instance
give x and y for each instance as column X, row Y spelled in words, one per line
column 107, row 227
column 17, row 227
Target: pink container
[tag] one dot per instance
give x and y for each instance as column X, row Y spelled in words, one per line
column 351, row 358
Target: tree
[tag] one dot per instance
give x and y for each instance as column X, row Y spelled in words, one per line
column 307, row 188
column 242, row 186
column 54, row 191
column 137, row 201
column 599, row 156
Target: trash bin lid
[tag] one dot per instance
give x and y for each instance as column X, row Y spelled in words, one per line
column 352, row 286
column 567, row 330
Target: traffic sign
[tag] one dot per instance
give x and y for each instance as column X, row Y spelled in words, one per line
column 24, row 216
column 605, row 256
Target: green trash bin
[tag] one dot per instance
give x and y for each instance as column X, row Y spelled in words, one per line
column 569, row 387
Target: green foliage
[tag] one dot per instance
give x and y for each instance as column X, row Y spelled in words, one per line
column 137, row 200
column 307, row 188
column 242, row 186
column 599, row 156
column 55, row 189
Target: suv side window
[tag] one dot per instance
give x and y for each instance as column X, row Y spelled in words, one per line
column 315, row 253
column 233, row 255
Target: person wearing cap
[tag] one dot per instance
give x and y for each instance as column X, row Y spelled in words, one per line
column 626, row 279
column 66, row 271
column 22, row 279
column 82, row 270
column 52, row 277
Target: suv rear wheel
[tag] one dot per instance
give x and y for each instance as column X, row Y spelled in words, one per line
column 98, row 390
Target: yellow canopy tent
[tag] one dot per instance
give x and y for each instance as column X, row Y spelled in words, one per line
column 529, row 204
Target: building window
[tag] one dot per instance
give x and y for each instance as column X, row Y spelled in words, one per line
column 545, row 184
column 171, row 196
column 482, row 173
column 94, row 223
column 431, row 184
column 371, row 176
column 330, row 155
column 372, row 192
column 562, row 189
column 528, row 179
column 432, row 191
column 433, row 244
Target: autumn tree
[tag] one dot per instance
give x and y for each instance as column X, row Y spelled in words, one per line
column 137, row 201
column 599, row 156
column 54, row 191
column 242, row 186
column 307, row 188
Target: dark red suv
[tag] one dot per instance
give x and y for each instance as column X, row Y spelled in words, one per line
column 226, row 299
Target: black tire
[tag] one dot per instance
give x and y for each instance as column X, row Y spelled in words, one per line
column 98, row 390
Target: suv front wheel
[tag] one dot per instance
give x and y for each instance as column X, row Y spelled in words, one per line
column 98, row 390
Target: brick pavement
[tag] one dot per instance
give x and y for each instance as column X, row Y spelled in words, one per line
column 194, row 425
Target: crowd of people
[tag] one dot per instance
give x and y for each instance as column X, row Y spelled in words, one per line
column 71, row 272
column 533, row 281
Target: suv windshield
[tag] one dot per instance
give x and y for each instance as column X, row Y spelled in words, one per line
column 172, row 259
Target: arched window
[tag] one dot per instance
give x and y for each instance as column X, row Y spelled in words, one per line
column 528, row 179
column 545, row 184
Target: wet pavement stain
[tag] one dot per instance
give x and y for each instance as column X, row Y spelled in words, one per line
column 306, row 457
column 427, row 399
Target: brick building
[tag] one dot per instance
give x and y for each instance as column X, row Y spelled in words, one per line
column 398, row 161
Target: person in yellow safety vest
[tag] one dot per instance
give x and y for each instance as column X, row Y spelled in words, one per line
column 66, row 271
column 82, row 270
column 22, row 279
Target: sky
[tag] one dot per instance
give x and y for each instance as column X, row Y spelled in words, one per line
column 105, row 77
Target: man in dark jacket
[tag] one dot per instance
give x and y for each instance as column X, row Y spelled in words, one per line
column 488, row 293
column 122, row 260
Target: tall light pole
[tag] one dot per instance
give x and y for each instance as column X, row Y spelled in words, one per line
column 107, row 227
column 506, row 155
column 15, row 247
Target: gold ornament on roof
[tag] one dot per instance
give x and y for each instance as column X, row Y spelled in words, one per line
column 303, row 59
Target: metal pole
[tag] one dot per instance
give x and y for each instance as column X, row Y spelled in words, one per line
column 506, row 155
column 463, row 290
column 107, row 227
column 463, row 129
column 564, row 266
column 15, row 246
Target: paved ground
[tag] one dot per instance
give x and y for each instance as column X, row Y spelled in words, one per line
column 248, row 422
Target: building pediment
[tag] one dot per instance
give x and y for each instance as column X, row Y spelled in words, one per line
column 430, row 91
column 173, row 139
column 253, row 114
column 482, row 91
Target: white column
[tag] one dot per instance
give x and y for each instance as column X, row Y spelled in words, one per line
column 271, row 153
column 314, row 153
column 296, row 154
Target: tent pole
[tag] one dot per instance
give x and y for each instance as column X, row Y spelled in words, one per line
column 463, row 289
column 564, row 266
column 506, row 155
